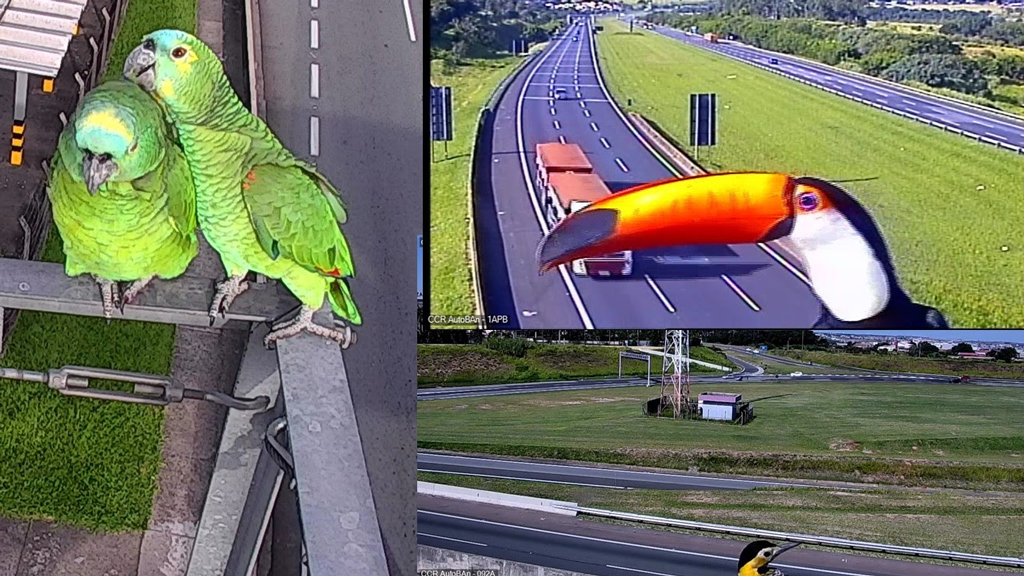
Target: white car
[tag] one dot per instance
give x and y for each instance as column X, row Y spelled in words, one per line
column 797, row 374
column 561, row 94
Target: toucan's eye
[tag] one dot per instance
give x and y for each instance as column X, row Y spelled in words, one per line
column 178, row 53
column 808, row 201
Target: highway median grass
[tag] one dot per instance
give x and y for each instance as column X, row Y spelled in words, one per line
column 892, row 433
column 948, row 206
column 462, row 364
column 451, row 281
column 906, row 363
column 88, row 463
column 977, row 523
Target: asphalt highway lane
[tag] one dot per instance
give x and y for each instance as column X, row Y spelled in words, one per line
column 976, row 121
column 712, row 286
column 604, row 549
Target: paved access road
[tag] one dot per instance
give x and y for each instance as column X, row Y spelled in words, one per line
column 344, row 88
column 603, row 549
column 585, row 475
column 976, row 121
column 710, row 286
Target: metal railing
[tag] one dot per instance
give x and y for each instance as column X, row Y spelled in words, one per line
column 806, row 538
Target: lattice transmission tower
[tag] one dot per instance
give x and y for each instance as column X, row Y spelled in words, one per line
column 675, row 372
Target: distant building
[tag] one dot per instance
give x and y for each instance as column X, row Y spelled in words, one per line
column 719, row 406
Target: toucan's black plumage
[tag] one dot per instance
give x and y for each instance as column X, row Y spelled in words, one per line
column 901, row 311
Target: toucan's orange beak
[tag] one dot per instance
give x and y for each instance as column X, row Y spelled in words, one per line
column 731, row 208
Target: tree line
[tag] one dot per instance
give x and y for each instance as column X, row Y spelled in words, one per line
column 483, row 28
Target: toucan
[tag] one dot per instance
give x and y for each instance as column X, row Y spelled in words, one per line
column 839, row 244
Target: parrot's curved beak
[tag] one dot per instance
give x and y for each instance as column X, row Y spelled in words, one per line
column 97, row 170
column 140, row 66
column 730, row 208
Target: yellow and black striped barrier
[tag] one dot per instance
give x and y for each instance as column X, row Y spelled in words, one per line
column 17, row 143
column 47, row 85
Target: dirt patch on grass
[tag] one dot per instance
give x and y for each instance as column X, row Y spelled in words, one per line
column 841, row 445
column 441, row 365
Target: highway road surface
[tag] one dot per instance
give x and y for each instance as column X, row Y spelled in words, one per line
column 344, row 89
column 584, row 475
column 975, row 121
column 744, row 286
column 603, row 549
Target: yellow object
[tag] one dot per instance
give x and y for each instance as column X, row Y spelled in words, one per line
column 18, row 141
column 75, row 31
column 16, row 157
column 19, row 128
column 47, row 85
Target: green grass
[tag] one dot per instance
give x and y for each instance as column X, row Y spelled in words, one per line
column 977, row 523
column 451, row 282
column 912, row 434
column 87, row 463
column 142, row 18
column 458, row 364
column 921, row 186
column 905, row 363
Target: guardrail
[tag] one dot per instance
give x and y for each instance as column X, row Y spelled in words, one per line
column 483, row 130
column 807, row 539
column 907, row 115
column 497, row 498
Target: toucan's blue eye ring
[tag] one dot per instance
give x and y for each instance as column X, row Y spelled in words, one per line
column 808, row 201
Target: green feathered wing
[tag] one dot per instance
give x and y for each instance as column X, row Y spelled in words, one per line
column 296, row 214
column 130, row 229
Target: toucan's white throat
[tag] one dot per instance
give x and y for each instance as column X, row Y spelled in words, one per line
column 843, row 270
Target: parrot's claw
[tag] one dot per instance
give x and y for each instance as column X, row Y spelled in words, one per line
column 111, row 297
column 133, row 291
column 226, row 293
column 304, row 322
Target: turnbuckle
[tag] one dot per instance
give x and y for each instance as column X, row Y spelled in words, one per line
column 148, row 389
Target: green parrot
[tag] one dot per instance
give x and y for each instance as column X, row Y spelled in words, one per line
column 122, row 193
column 262, row 209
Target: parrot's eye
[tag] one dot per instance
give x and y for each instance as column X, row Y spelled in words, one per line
column 178, row 53
column 808, row 201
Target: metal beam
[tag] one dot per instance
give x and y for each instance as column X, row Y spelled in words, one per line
column 339, row 518
column 44, row 287
column 234, row 473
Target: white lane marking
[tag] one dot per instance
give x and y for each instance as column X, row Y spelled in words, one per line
column 638, row 570
column 314, row 34
column 785, row 263
column 314, row 136
column 314, row 3
column 594, row 126
column 452, row 539
column 631, row 544
column 739, row 292
column 605, row 143
column 586, row 113
column 409, row 20
column 314, row 80
column 561, row 139
column 621, row 164
column 991, row 135
column 569, row 285
column 557, row 125
column 583, row 103
column 552, row 111
column 660, row 294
